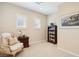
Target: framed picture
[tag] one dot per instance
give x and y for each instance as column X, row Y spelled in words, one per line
column 70, row 21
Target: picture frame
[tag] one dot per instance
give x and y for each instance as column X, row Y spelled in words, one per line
column 70, row 20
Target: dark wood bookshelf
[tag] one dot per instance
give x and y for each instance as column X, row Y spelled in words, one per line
column 52, row 34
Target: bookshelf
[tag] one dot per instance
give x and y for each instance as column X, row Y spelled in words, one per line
column 52, row 34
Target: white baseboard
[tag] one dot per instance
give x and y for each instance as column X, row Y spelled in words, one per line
column 68, row 52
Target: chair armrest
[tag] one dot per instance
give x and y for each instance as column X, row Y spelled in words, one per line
column 5, row 48
column 4, row 45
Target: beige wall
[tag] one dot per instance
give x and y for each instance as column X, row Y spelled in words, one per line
column 8, row 22
column 0, row 17
column 68, row 38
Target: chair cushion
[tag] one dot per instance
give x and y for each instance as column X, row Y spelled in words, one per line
column 13, row 41
column 6, row 35
column 4, row 38
column 4, row 41
column 8, row 38
column 16, row 46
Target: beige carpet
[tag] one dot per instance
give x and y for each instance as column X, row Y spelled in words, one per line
column 44, row 49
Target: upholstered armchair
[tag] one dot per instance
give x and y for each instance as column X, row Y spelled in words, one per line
column 9, row 44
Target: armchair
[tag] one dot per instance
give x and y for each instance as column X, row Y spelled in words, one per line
column 9, row 44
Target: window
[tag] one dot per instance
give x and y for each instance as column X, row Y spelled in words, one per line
column 21, row 22
column 37, row 23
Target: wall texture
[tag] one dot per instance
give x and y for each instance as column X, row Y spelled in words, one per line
column 8, row 14
column 68, row 38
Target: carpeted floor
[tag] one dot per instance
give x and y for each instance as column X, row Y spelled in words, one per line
column 44, row 49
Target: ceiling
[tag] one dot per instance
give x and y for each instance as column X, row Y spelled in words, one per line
column 46, row 8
